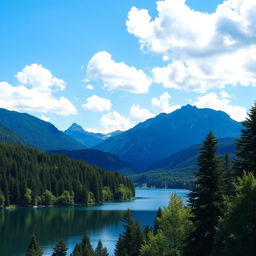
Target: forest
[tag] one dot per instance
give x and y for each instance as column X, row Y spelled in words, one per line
column 31, row 178
column 219, row 219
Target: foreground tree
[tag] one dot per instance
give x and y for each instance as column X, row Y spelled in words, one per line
column 60, row 249
column 205, row 200
column 34, row 248
column 100, row 251
column 173, row 229
column 236, row 233
column 246, row 145
column 84, row 248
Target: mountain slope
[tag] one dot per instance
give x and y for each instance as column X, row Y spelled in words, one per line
column 100, row 159
column 41, row 134
column 88, row 139
column 9, row 137
column 177, row 169
column 166, row 134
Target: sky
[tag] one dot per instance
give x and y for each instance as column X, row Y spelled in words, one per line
column 108, row 65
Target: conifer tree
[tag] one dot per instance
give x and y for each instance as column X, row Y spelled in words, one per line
column 60, row 249
column 100, row 251
column 158, row 216
column 246, row 145
column 84, row 248
column 34, row 248
column 205, row 200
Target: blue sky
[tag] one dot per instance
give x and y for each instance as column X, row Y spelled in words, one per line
column 108, row 65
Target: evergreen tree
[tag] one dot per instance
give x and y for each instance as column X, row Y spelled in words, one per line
column 158, row 216
column 236, row 233
column 34, row 248
column 246, row 145
column 100, row 251
column 84, row 248
column 205, row 200
column 228, row 175
column 60, row 249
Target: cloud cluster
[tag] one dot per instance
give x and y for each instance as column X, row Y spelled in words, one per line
column 97, row 104
column 35, row 92
column 117, row 75
column 206, row 50
column 221, row 102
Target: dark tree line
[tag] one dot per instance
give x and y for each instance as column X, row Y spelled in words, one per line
column 29, row 177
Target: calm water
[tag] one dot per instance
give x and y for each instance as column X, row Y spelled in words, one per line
column 68, row 223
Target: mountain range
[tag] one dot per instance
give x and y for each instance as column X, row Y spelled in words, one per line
column 159, row 137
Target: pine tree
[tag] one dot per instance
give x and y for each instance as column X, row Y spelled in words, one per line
column 34, row 248
column 228, row 175
column 158, row 216
column 246, row 145
column 205, row 200
column 84, row 248
column 100, row 251
column 60, row 249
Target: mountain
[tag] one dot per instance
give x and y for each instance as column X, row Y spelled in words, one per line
column 89, row 139
column 177, row 169
column 9, row 137
column 158, row 137
column 100, row 159
column 43, row 135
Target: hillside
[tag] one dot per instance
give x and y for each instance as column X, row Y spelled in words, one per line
column 159, row 137
column 89, row 139
column 177, row 169
column 9, row 137
column 43, row 135
column 100, row 159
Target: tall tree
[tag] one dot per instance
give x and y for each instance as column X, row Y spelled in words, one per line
column 84, row 248
column 246, row 145
column 236, row 233
column 60, row 249
column 205, row 200
column 100, row 250
column 34, row 248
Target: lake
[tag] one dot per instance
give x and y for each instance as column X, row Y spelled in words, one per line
column 51, row 224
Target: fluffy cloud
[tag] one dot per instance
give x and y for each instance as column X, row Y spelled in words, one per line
column 89, row 87
column 206, row 50
column 97, row 104
column 221, row 102
column 114, row 121
column 117, row 75
column 138, row 114
column 35, row 93
column 162, row 104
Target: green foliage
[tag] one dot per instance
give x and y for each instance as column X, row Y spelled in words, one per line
column 246, row 148
column 60, row 249
column 129, row 243
column 66, row 198
column 28, row 177
column 100, row 251
column 84, row 248
column 34, row 248
column 173, row 227
column 2, row 200
column 205, row 200
column 236, row 231
column 107, row 194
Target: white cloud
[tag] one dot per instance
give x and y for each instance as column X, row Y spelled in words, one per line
column 45, row 118
column 138, row 114
column 221, row 102
column 97, row 104
column 117, row 75
column 89, row 87
column 206, row 50
column 162, row 104
column 113, row 121
column 35, row 93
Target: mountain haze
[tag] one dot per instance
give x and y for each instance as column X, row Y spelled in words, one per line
column 159, row 137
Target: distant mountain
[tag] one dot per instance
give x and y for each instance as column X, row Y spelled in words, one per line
column 89, row 139
column 100, row 159
column 9, row 137
column 158, row 137
column 179, row 167
column 43, row 135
